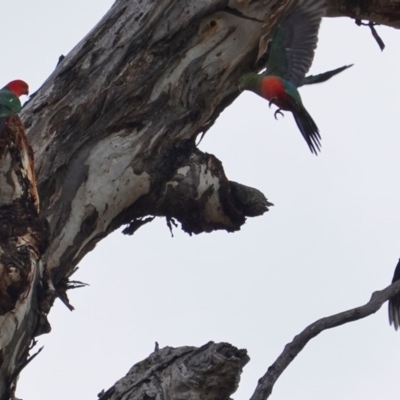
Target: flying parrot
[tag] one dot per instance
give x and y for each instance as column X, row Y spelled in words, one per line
column 291, row 52
column 9, row 100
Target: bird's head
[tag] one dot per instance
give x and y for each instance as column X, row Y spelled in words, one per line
column 18, row 87
column 249, row 81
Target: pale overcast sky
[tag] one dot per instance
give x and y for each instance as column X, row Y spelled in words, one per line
column 330, row 241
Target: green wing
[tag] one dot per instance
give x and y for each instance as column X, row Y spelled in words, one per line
column 291, row 50
column 9, row 103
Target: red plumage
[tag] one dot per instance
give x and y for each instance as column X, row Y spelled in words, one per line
column 272, row 87
column 18, row 87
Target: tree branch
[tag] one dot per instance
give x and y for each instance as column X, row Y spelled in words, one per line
column 385, row 12
column 114, row 127
column 292, row 349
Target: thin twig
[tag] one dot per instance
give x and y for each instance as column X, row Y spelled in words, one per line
column 170, row 222
column 292, row 349
column 23, row 364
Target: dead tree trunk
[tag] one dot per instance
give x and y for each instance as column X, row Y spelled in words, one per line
column 211, row 372
column 113, row 131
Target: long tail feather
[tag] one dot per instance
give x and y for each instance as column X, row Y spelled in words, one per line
column 308, row 129
column 2, row 124
column 394, row 302
column 309, row 80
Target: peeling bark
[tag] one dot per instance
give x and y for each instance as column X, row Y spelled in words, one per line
column 113, row 130
column 23, row 239
column 114, row 127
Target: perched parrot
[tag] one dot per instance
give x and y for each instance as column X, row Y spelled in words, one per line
column 291, row 52
column 9, row 100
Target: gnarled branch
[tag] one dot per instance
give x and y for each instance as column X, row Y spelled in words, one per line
column 292, row 349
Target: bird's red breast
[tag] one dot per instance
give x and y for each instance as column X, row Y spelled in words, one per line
column 273, row 87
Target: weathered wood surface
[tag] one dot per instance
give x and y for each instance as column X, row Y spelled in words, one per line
column 211, row 372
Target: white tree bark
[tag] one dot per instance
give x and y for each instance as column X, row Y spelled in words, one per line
column 114, row 131
column 114, row 127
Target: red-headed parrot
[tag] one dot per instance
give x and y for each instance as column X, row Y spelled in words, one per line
column 9, row 100
column 291, row 52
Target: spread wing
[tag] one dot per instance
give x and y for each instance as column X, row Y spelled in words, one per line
column 292, row 47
